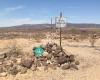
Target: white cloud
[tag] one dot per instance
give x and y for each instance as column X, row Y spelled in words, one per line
column 72, row 7
column 8, row 10
column 13, row 8
column 19, row 21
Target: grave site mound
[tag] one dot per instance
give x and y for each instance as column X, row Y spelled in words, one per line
column 52, row 57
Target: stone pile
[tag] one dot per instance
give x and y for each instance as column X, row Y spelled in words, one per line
column 53, row 57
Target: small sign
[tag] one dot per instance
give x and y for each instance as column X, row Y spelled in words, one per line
column 39, row 51
column 60, row 22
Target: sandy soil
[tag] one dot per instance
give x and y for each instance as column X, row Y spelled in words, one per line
column 89, row 68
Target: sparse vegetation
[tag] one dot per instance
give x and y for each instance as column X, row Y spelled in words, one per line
column 14, row 49
column 92, row 39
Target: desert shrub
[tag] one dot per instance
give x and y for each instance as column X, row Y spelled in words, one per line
column 39, row 36
column 92, row 39
column 14, row 49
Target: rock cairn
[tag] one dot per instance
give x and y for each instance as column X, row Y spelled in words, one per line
column 53, row 57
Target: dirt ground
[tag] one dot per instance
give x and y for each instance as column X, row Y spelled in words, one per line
column 89, row 68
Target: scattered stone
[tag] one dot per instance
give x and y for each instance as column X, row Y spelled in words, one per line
column 41, row 68
column 34, row 68
column 71, row 58
column 1, row 70
column 14, row 61
column 77, row 62
column 13, row 70
column 45, row 53
column 61, row 60
column 18, row 60
column 38, row 64
column 73, row 66
column 3, row 55
column 54, row 47
column 27, row 63
column 52, row 66
column 23, row 70
column 49, row 62
column 49, row 56
column 45, row 68
column 9, row 63
column 44, row 63
column 65, row 66
column 4, row 74
column 1, row 63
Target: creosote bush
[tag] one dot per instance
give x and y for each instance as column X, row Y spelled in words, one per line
column 92, row 39
column 14, row 49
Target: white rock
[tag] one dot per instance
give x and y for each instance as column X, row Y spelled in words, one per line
column 0, row 63
column 18, row 60
column 54, row 47
column 41, row 68
column 4, row 74
column 8, row 63
column 33, row 68
column 48, row 62
column 45, row 53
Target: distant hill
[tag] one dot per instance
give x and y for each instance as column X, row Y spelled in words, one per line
column 35, row 27
column 83, row 25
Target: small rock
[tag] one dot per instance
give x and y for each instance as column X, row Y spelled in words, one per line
column 4, row 74
column 13, row 71
column 38, row 64
column 41, row 68
column 1, row 63
column 48, row 62
column 27, row 63
column 33, row 68
column 49, row 50
column 59, row 48
column 71, row 58
column 73, row 66
column 49, row 56
column 60, row 54
column 54, row 47
column 3, row 55
column 14, row 61
column 45, row 53
column 18, row 60
column 9, row 63
column 65, row 66
column 62, row 60
column 45, row 68
column 1, row 69
column 77, row 62
column 43, row 46
column 52, row 66
column 23, row 70
column 44, row 63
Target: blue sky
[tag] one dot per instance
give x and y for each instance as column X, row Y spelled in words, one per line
column 17, row 12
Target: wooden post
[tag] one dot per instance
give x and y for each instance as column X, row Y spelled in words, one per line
column 60, row 30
